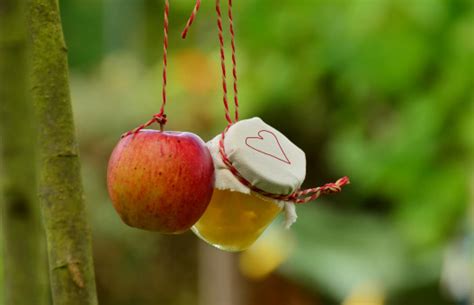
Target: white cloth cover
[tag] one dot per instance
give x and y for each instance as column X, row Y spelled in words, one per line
column 263, row 156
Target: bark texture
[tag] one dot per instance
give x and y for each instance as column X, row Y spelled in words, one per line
column 60, row 186
column 23, row 248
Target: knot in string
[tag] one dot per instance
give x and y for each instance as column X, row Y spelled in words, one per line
column 159, row 118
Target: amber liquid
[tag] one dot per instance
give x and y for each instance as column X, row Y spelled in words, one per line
column 233, row 221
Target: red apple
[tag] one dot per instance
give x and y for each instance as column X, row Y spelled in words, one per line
column 160, row 181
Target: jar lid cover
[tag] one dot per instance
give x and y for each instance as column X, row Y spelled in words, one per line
column 265, row 157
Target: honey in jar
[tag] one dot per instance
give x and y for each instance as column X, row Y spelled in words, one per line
column 233, row 221
column 236, row 216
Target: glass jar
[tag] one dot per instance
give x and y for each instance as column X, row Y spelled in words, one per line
column 264, row 159
column 233, row 221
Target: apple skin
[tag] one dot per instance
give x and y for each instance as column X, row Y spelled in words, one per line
column 160, row 181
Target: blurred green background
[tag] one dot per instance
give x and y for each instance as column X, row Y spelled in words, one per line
column 379, row 90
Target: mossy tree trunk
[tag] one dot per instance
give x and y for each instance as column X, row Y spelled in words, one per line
column 24, row 250
column 60, row 186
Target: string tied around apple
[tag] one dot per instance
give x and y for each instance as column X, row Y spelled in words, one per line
column 159, row 117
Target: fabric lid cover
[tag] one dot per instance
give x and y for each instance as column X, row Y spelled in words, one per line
column 265, row 157
column 225, row 180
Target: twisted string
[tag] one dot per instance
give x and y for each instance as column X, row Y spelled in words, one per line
column 191, row 19
column 222, row 56
column 234, row 60
column 165, row 54
column 159, row 117
column 298, row 196
column 223, row 69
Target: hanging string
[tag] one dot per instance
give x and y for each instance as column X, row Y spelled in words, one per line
column 298, row 196
column 159, row 117
column 191, row 19
column 165, row 55
column 234, row 61
column 223, row 69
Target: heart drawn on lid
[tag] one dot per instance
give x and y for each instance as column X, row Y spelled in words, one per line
column 267, row 143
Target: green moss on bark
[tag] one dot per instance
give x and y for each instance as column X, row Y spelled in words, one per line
column 60, row 186
column 23, row 249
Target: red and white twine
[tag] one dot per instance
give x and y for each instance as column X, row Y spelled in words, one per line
column 298, row 196
column 159, row 117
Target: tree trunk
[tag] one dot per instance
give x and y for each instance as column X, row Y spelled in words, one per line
column 60, row 187
column 23, row 248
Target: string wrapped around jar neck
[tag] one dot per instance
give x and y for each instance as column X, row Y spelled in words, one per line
column 296, row 197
